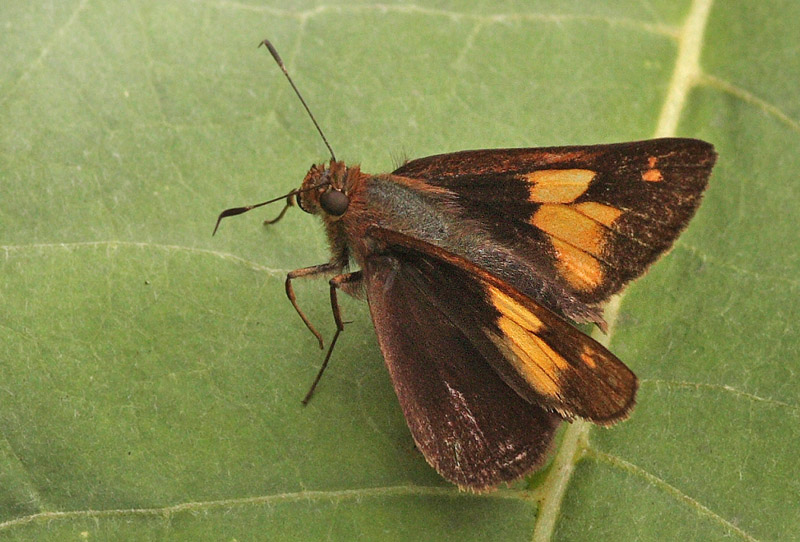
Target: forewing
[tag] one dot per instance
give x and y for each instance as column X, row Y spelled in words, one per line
column 594, row 216
column 544, row 359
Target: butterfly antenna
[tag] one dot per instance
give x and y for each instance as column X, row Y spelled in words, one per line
column 289, row 202
column 239, row 210
column 281, row 65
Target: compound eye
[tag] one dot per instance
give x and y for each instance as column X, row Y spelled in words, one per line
column 334, row 202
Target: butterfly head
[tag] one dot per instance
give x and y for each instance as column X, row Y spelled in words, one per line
column 325, row 189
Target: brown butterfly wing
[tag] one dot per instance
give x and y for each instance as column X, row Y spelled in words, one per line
column 473, row 428
column 541, row 356
column 594, row 217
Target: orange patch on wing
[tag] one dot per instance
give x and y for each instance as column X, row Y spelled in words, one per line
column 588, row 358
column 567, row 224
column 604, row 214
column 531, row 356
column 558, row 185
column 583, row 271
column 506, row 306
column 536, row 362
column 652, row 175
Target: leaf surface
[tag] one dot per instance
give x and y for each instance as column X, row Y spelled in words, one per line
column 151, row 375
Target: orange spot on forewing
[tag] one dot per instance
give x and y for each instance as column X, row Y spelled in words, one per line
column 567, row 224
column 558, row 185
column 581, row 270
column 604, row 214
column 587, row 357
column 652, row 176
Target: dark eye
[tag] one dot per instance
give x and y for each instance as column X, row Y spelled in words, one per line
column 334, row 202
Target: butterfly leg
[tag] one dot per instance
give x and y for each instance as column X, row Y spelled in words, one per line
column 333, row 266
column 348, row 282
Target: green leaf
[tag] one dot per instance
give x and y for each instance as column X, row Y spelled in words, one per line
column 151, row 375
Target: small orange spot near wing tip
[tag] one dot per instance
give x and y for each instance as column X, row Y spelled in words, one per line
column 652, row 176
column 587, row 358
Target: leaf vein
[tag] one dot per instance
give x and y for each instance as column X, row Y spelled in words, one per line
column 269, row 500
column 749, row 98
column 45, row 51
column 112, row 244
column 678, row 384
column 766, row 277
column 684, row 76
column 673, row 491
column 496, row 18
